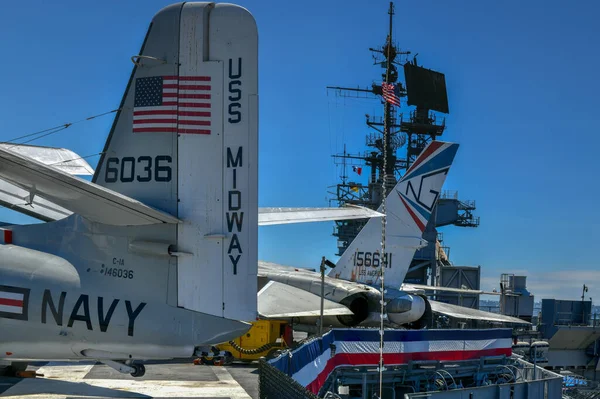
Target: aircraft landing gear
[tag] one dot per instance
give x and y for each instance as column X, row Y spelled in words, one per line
column 129, row 367
column 12, row 369
column 213, row 357
column 139, row 370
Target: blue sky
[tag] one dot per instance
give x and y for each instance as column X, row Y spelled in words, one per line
column 522, row 86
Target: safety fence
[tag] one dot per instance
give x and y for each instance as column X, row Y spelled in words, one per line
column 273, row 383
column 310, row 365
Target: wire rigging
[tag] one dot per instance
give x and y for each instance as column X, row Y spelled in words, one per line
column 77, row 159
column 47, row 132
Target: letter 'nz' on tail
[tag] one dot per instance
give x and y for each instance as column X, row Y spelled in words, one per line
column 408, row 209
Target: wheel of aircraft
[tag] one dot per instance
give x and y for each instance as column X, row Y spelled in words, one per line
column 17, row 367
column 139, row 370
column 13, row 369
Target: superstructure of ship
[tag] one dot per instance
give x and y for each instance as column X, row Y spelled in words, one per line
column 394, row 140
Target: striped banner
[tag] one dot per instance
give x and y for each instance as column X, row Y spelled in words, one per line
column 14, row 302
column 311, row 364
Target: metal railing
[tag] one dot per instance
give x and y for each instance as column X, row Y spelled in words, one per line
column 274, row 384
column 449, row 194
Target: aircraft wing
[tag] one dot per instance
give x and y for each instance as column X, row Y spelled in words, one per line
column 271, row 216
column 59, row 158
column 20, row 200
column 460, row 312
column 418, row 287
column 18, row 196
column 76, row 195
column 278, row 300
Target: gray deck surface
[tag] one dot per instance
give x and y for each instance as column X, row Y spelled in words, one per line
column 175, row 379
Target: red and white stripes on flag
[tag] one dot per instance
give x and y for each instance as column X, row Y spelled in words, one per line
column 13, row 302
column 389, row 94
column 172, row 104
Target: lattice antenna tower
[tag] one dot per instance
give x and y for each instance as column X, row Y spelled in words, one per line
column 424, row 89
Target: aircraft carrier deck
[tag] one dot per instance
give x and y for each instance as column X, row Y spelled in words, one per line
column 176, row 379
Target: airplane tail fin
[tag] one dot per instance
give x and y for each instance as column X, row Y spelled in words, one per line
column 185, row 141
column 408, row 209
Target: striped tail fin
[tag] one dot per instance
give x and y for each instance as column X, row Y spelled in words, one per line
column 408, row 208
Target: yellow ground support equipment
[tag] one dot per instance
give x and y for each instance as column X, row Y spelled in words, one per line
column 265, row 337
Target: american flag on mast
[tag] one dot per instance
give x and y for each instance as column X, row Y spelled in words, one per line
column 172, row 104
column 389, row 94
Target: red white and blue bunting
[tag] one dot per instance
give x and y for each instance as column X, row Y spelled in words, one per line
column 311, row 364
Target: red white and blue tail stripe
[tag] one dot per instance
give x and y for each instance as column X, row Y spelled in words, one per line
column 408, row 209
column 420, row 187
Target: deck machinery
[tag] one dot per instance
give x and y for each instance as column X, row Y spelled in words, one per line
column 394, row 141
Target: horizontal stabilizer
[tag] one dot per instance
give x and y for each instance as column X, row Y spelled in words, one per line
column 419, row 287
column 59, row 158
column 79, row 196
column 460, row 312
column 277, row 300
column 18, row 199
column 272, row 216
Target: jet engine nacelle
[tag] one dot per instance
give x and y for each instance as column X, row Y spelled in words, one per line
column 413, row 310
column 359, row 305
column 403, row 309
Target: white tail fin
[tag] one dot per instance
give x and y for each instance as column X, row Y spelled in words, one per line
column 408, row 209
column 186, row 142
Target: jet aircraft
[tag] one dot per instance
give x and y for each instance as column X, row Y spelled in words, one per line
column 354, row 284
column 156, row 257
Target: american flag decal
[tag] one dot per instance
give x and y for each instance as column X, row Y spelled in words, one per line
column 172, row 104
column 14, row 302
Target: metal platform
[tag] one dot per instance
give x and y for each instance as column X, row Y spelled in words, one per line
column 487, row 377
column 177, row 379
column 574, row 337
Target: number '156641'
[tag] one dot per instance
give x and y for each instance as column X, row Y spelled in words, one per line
column 372, row 259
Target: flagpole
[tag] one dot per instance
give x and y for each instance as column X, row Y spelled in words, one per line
column 386, row 144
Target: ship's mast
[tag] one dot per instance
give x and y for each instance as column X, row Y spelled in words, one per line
column 390, row 78
column 388, row 184
column 395, row 141
column 385, row 139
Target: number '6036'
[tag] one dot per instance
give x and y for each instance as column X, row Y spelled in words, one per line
column 142, row 169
